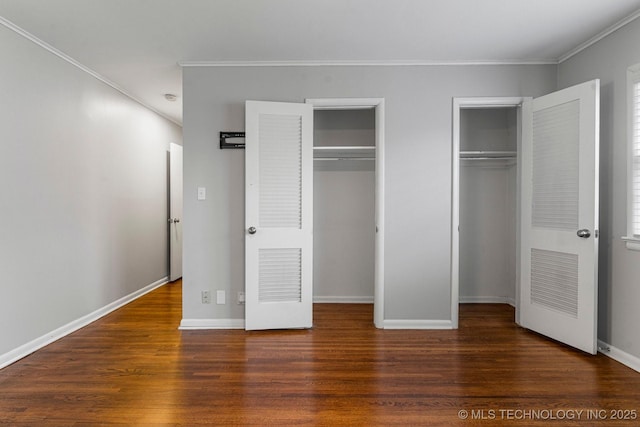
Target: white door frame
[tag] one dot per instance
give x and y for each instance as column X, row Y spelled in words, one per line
column 458, row 104
column 378, row 105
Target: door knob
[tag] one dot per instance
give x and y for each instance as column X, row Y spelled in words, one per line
column 584, row 233
column 252, row 230
column 176, row 220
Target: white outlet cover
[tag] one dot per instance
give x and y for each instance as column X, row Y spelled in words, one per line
column 206, row 297
column 202, row 193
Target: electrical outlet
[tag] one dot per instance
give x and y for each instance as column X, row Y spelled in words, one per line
column 202, row 193
column 206, row 297
column 240, row 297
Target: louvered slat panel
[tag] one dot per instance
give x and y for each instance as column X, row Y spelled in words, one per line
column 635, row 207
column 554, row 281
column 280, row 275
column 280, row 171
column 555, row 167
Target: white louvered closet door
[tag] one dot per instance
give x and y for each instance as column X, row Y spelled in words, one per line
column 279, row 215
column 559, row 252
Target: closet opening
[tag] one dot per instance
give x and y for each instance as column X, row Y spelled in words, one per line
column 485, row 214
column 348, row 202
column 344, row 206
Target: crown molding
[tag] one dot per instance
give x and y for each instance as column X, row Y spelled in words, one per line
column 13, row 27
column 595, row 39
column 364, row 63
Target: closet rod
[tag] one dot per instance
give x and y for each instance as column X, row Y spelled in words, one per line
column 344, row 158
column 344, row 147
column 488, row 154
column 489, row 158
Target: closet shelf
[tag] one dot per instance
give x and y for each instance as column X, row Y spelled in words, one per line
column 481, row 155
column 359, row 152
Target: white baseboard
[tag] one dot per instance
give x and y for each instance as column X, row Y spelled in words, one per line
column 417, row 324
column 46, row 339
column 487, row 300
column 193, row 324
column 618, row 355
column 343, row 300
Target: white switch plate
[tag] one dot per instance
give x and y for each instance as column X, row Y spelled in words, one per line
column 240, row 297
column 221, row 297
column 202, row 193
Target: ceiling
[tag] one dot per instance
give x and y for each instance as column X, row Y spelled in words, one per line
column 137, row 44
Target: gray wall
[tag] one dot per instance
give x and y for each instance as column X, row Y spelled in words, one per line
column 83, row 205
column 487, row 232
column 418, row 169
column 619, row 279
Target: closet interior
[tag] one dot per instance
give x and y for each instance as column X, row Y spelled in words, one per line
column 344, row 205
column 488, row 204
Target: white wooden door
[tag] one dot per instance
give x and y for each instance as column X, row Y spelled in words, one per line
column 559, row 252
column 175, row 211
column 279, row 215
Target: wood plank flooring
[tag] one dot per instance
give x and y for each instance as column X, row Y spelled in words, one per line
column 135, row 368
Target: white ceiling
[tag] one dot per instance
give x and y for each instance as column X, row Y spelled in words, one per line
column 137, row 44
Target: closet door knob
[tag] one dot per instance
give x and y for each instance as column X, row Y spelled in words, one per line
column 252, row 230
column 584, row 233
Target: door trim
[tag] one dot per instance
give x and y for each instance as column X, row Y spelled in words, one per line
column 378, row 105
column 458, row 104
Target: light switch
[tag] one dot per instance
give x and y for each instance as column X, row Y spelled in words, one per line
column 202, row 193
column 221, row 297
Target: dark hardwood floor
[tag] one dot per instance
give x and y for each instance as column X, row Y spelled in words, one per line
column 135, row 368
